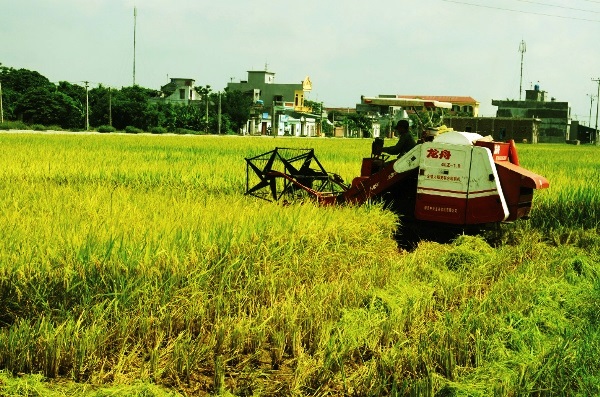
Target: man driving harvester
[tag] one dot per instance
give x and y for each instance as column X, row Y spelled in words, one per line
column 405, row 140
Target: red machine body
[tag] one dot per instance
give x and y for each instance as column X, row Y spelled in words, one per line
column 459, row 178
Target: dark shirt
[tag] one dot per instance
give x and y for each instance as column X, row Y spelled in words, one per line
column 404, row 144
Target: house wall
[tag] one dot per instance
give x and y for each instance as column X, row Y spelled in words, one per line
column 183, row 91
column 281, row 102
column 582, row 133
column 501, row 129
column 263, row 83
column 555, row 116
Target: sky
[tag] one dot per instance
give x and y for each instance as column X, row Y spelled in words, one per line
column 347, row 48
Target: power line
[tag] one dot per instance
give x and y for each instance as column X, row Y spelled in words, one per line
column 557, row 6
column 521, row 11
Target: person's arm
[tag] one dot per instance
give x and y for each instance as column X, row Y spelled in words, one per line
column 393, row 149
column 404, row 144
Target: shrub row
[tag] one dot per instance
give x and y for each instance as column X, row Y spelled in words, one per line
column 19, row 125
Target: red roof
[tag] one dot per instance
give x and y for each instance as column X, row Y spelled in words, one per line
column 441, row 98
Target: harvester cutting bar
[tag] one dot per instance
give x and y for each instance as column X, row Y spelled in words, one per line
column 292, row 173
column 372, row 185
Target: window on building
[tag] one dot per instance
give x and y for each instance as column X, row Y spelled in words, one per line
column 181, row 93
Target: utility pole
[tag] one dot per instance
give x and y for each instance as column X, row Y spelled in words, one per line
column 109, row 106
column 321, row 119
column 522, row 49
column 592, row 96
column 219, row 119
column 87, row 107
column 134, row 28
column 597, row 80
column 206, row 91
column 1, row 108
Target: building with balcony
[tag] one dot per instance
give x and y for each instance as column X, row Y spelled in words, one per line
column 278, row 108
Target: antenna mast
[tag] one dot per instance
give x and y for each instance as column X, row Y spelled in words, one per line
column 597, row 136
column 134, row 28
column 522, row 49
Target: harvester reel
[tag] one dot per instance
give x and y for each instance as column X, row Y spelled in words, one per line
column 290, row 174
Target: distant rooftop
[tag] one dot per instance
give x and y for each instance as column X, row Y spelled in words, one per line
column 441, row 98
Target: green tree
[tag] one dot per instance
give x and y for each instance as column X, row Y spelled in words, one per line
column 16, row 83
column 360, row 123
column 32, row 97
column 426, row 119
column 78, row 96
column 315, row 107
column 163, row 114
column 42, row 105
column 100, row 103
column 22, row 79
column 190, row 117
column 76, row 92
column 130, row 105
column 236, row 105
column 204, row 92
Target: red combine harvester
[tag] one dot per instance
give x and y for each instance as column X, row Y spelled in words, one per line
column 459, row 180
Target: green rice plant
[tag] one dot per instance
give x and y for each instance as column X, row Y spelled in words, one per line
column 37, row 385
column 136, row 258
column 572, row 200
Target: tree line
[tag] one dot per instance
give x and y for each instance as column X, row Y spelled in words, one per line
column 31, row 98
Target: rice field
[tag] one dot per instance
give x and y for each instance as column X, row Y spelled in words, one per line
column 135, row 265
